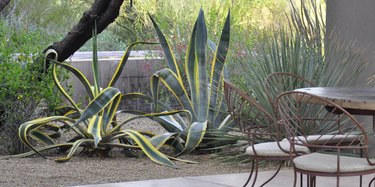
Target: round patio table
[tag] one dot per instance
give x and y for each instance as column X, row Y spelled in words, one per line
column 356, row 100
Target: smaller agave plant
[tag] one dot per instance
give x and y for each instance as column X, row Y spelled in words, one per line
column 96, row 128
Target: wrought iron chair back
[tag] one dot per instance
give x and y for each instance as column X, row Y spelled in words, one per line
column 279, row 82
column 307, row 122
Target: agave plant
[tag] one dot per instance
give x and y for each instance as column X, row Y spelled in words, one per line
column 197, row 87
column 96, row 127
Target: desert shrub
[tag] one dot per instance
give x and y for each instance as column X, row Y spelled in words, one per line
column 24, row 92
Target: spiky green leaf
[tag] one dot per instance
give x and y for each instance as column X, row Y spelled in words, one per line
column 195, row 135
column 149, row 149
column 99, row 103
column 168, row 54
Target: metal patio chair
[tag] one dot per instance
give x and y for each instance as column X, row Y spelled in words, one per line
column 262, row 131
column 279, row 82
column 338, row 141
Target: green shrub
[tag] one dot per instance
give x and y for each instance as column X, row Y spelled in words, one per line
column 24, row 92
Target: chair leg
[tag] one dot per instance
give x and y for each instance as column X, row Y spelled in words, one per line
column 256, row 171
column 313, row 181
column 372, row 180
column 274, row 175
column 295, row 178
column 360, row 181
column 338, row 181
column 250, row 175
column 301, row 179
column 308, row 181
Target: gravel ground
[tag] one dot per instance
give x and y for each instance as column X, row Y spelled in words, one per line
column 82, row 170
column 37, row 171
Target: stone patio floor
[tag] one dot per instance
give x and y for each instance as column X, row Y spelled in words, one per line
column 283, row 179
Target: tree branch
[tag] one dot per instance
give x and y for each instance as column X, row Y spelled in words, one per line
column 103, row 11
column 3, row 4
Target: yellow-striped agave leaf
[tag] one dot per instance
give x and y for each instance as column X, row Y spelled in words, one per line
column 109, row 113
column 123, row 62
column 190, row 68
column 99, row 103
column 41, row 137
column 200, row 69
column 73, row 149
column 159, row 140
column 95, row 127
column 218, row 64
column 195, row 136
column 171, row 124
column 78, row 74
column 27, row 127
column 169, row 57
column 174, row 85
column 30, row 153
column 95, row 62
column 149, row 149
column 61, row 88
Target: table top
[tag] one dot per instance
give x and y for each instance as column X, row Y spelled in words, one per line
column 360, row 98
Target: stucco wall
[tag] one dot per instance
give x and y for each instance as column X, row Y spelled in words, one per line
column 354, row 21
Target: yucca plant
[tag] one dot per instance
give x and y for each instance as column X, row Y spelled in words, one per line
column 197, row 86
column 301, row 47
column 96, row 128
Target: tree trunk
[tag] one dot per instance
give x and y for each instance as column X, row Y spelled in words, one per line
column 103, row 11
column 3, row 4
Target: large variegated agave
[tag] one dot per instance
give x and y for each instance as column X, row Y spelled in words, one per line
column 197, row 89
column 96, row 127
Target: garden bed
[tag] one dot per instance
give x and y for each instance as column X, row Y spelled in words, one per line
column 80, row 170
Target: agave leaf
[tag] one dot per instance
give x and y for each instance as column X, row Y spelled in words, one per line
column 62, row 90
column 159, row 140
column 95, row 127
column 62, row 110
column 154, row 82
column 110, row 113
column 172, row 64
column 175, row 86
column 78, row 74
column 183, row 160
column 27, row 127
column 99, row 103
column 121, row 145
column 200, row 71
column 74, row 148
column 227, row 124
column 30, row 153
column 95, row 63
column 195, row 135
column 123, row 62
column 219, row 62
column 149, row 149
column 41, row 137
column 190, row 68
column 173, row 124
